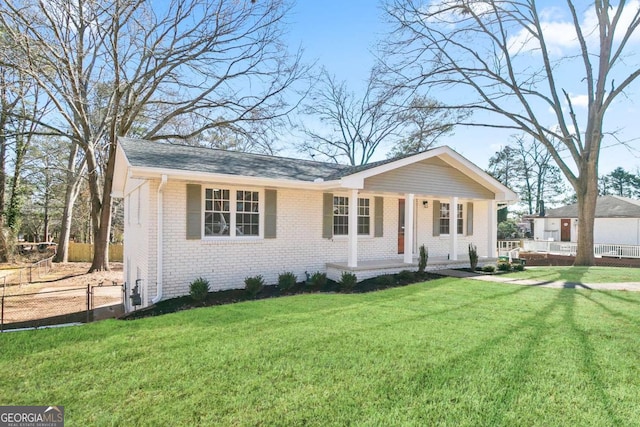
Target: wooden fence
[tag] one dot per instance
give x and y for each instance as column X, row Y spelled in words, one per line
column 83, row 252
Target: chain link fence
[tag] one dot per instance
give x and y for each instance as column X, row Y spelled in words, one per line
column 50, row 306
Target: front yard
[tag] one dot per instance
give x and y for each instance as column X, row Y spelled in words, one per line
column 446, row 352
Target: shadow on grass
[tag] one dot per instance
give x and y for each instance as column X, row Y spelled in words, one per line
column 589, row 363
column 522, row 366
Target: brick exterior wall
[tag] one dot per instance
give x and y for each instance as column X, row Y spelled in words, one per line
column 298, row 247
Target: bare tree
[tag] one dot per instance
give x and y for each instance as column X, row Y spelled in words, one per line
column 424, row 122
column 351, row 127
column 20, row 108
column 541, row 180
column 126, row 68
column 503, row 58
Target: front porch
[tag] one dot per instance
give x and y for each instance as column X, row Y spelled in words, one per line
column 373, row 268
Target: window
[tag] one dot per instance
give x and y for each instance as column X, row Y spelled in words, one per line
column 445, row 213
column 341, row 216
column 363, row 217
column 444, row 218
column 247, row 214
column 220, row 219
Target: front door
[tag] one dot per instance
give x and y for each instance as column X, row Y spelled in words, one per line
column 565, row 230
column 401, row 226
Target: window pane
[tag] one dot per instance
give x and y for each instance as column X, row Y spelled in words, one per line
column 444, row 218
column 247, row 216
column 217, row 216
column 340, row 215
column 363, row 216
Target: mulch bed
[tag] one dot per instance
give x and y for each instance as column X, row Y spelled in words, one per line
column 231, row 296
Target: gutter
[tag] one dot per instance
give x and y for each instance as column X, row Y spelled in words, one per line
column 159, row 240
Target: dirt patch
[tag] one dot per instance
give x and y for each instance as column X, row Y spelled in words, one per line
column 60, row 290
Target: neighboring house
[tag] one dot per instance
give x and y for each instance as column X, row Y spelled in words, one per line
column 617, row 221
column 195, row 212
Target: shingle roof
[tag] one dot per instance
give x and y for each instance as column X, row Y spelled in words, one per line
column 150, row 154
column 143, row 153
column 606, row 207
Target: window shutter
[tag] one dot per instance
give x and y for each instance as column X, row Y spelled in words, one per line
column 436, row 217
column 270, row 213
column 469, row 219
column 327, row 215
column 378, row 216
column 194, row 211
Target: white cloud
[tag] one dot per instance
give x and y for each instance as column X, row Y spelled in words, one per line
column 560, row 34
column 579, row 100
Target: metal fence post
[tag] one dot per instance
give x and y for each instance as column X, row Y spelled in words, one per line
column 88, row 301
column 2, row 315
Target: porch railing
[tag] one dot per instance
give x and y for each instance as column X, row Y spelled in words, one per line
column 568, row 248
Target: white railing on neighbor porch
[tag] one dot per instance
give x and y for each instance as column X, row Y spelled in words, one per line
column 568, row 248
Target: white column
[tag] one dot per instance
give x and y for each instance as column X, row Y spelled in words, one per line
column 352, row 257
column 453, row 228
column 408, row 227
column 492, row 227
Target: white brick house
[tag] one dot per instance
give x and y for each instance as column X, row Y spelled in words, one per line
column 195, row 212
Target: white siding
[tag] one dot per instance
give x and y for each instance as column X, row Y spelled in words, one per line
column 617, row 231
column 432, row 176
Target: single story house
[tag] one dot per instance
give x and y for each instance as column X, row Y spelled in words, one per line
column 196, row 212
column 617, row 222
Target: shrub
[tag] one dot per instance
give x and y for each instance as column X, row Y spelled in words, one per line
column 253, row 285
column 386, row 281
column 473, row 256
column 406, row 276
column 317, row 280
column 422, row 261
column 199, row 289
column 286, row 281
column 347, row 281
column 489, row 268
column 504, row 266
column 517, row 266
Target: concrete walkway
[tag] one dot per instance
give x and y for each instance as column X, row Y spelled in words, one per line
column 623, row 286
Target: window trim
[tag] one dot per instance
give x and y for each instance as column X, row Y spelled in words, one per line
column 371, row 200
column 459, row 224
column 233, row 198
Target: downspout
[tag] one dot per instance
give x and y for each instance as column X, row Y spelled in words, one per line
column 159, row 241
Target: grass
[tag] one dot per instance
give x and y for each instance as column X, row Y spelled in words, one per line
column 580, row 274
column 445, row 352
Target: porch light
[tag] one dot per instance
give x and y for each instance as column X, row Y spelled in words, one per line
column 425, row 204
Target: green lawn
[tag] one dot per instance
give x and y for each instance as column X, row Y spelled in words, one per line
column 446, row 352
column 580, row 274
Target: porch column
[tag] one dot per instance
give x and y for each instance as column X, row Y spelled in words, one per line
column 492, row 227
column 408, row 227
column 453, row 228
column 352, row 254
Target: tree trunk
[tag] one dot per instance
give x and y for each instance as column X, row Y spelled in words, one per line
column 103, row 230
column 587, row 192
column 71, row 194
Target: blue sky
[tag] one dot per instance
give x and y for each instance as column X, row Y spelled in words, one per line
column 340, row 36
